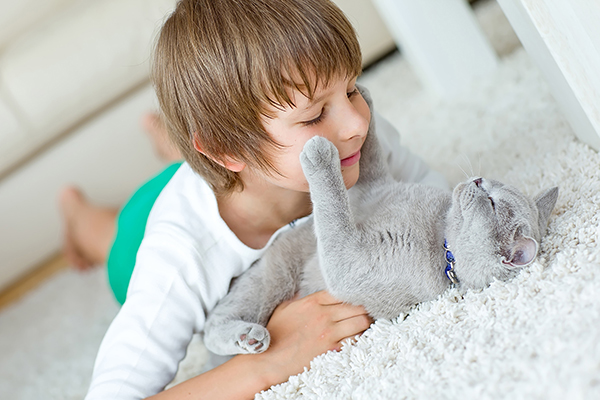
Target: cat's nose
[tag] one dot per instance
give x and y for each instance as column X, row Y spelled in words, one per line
column 478, row 181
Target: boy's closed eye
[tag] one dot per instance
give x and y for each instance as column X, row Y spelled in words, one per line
column 321, row 115
column 315, row 121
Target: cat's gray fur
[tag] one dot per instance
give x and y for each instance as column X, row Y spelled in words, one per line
column 381, row 247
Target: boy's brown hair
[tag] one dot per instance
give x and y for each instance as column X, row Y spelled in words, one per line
column 219, row 65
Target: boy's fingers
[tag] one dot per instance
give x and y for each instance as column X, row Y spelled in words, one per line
column 324, row 298
column 351, row 327
column 337, row 310
column 341, row 312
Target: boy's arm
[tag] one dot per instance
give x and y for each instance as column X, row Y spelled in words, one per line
column 404, row 165
column 300, row 330
column 142, row 348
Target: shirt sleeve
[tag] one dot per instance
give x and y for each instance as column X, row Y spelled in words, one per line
column 404, row 165
column 148, row 338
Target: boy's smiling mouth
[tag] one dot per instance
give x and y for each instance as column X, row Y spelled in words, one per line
column 351, row 160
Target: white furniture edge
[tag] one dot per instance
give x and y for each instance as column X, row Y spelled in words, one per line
column 374, row 38
column 109, row 157
column 442, row 41
column 563, row 38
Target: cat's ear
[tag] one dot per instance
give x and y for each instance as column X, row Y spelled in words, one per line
column 522, row 252
column 545, row 202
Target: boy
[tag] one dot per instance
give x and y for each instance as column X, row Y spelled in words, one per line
column 242, row 85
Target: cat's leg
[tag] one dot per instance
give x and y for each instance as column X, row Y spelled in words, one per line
column 320, row 162
column 237, row 325
column 337, row 235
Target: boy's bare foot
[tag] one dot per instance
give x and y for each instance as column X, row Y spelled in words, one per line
column 88, row 229
column 159, row 137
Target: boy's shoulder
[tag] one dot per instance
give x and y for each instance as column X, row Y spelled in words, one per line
column 186, row 201
column 184, row 184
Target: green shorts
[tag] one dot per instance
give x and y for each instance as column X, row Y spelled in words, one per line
column 131, row 224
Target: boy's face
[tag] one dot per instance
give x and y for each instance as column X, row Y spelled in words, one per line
column 337, row 112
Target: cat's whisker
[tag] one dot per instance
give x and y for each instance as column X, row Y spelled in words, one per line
column 469, row 162
column 463, row 171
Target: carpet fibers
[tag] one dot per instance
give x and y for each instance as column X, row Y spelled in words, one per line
column 534, row 337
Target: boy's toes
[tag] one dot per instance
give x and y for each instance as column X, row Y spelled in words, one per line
column 71, row 202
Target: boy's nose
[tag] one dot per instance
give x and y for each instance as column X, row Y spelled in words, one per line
column 353, row 124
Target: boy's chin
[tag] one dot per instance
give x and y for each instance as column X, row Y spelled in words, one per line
column 351, row 176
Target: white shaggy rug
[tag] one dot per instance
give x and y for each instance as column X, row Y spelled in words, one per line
column 535, row 337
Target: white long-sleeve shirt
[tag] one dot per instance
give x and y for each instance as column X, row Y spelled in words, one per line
column 184, row 266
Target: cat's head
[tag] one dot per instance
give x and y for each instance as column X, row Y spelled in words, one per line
column 494, row 230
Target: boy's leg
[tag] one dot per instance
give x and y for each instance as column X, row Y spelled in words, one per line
column 131, row 224
column 88, row 229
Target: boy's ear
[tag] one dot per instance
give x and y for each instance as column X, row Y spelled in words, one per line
column 230, row 164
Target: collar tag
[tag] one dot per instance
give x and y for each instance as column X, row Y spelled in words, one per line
column 450, row 261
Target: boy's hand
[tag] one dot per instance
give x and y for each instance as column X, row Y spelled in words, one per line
column 301, row 329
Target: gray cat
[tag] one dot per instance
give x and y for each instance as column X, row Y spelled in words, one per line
column 387, row 247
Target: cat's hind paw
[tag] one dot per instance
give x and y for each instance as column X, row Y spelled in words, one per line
column 318, row 155
column 253, row 339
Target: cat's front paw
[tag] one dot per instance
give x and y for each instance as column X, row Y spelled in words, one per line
column 253, row 339
column 318, row 154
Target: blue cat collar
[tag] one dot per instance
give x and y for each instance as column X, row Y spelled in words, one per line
column 450, row 261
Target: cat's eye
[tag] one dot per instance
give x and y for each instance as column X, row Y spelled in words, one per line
column 492, row 203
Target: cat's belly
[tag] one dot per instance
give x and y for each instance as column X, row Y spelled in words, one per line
column 396, row 260
column 312, row 278
column 409, row 203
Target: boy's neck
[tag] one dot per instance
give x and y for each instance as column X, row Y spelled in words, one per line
column 256, row 213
